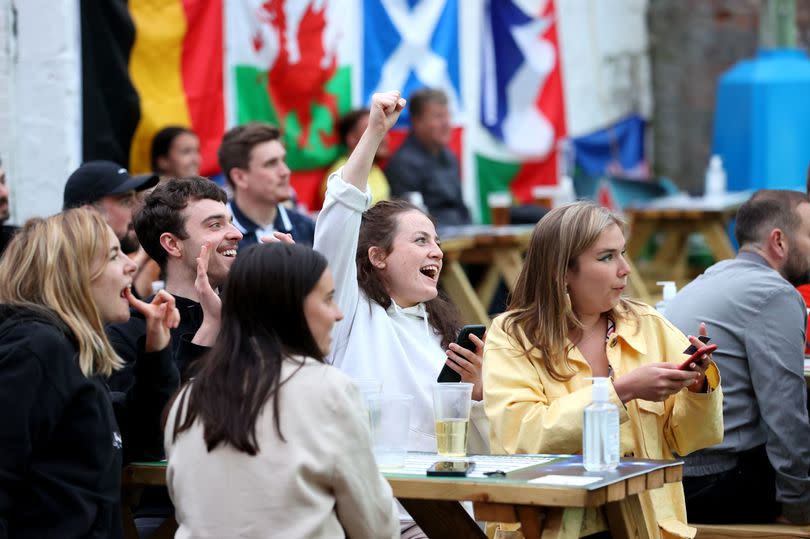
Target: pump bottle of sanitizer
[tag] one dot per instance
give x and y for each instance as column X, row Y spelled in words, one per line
column 600, row 432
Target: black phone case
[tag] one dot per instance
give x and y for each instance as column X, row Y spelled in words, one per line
column 449, row 375
column 436, row 472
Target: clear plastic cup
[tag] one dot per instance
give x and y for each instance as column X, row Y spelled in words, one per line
column 451, row 412
column 390, row 416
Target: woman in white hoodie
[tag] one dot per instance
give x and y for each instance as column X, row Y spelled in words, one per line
column 386, row 261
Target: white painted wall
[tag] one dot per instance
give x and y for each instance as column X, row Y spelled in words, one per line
column 605, row 62
column 40, row 101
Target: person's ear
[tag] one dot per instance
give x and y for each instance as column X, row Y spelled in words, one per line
column 778, row 243
column 171, row 244
column 377, row 257
column 238, row 177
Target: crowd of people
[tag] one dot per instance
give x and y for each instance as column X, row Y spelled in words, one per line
column 239, row 368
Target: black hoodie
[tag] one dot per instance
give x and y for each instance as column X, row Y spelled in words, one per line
column 60, row 448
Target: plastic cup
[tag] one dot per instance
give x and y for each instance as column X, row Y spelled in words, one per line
column 367, row 387
column 499, row 203
column 543, row 195
column 390, row 416
column 451, row 412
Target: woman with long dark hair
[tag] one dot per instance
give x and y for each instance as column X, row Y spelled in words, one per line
column 567, row 322
column 267, row 439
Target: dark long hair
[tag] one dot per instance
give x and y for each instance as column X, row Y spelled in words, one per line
column 263, row 323
column 378, row 228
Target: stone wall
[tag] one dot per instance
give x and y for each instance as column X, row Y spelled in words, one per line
column 692, row 43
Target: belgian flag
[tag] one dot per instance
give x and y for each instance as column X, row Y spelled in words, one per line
column 147, row 64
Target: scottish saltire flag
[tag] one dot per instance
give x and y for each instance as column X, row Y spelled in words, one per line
column 522, row 106
column 409, row 44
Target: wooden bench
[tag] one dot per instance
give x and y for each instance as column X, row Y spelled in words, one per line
column 753, row 531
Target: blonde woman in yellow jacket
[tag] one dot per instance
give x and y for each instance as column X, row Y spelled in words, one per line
column 568, row 321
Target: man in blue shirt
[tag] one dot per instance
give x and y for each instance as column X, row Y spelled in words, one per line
column 252, row 160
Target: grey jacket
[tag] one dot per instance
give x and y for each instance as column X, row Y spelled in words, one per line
column 758, row 320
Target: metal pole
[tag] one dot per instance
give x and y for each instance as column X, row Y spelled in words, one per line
column 777, row 24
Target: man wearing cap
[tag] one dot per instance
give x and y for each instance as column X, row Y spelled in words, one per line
column 110, row 189
column 6, row 231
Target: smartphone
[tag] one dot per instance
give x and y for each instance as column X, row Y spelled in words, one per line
column 449, row 468
column 463, row 340
column 708, row 349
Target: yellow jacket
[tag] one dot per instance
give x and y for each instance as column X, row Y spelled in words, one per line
column 530, row 412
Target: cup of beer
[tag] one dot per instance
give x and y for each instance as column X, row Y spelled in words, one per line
column 451, row 412
column 499, row 203
column 543, row 195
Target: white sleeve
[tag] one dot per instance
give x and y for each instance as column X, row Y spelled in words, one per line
column 336, row 237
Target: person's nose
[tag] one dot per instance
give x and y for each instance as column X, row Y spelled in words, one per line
column 233, row 233
column 130, row 266
column 338, row 314
column 624, row 266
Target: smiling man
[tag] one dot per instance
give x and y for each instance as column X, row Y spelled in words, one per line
column 252, row 160
column 177, row 219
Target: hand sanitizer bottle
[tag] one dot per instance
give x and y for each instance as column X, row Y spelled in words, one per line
column 600, row 431
column 669, row 292
column 715, row 177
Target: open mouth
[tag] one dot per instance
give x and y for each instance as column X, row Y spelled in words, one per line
column 430, row 270
column 229, row 253
column 124, row 291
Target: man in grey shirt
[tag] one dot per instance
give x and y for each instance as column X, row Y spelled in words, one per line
column 752, row 311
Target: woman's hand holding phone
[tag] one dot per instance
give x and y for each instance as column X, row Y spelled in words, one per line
column 700, row 360
column 653, row 382
column 468, row 364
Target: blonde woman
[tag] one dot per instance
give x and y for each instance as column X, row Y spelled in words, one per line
column 61, row 279
column 568, row 322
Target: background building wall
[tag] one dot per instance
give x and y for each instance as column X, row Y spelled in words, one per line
column 692, row 43
column 40, row 101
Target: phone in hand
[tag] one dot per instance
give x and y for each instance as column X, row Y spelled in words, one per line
column 463, row 340
column 707, row 349
column 451, row 468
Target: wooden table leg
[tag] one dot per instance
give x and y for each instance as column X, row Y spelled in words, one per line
column 439, row 519
column 488, row 286
column 714, row 233
column 641, row 230
column 626, row 519
column 562, row 523
column 129, row 499
column 461, row 293
column 509, row 263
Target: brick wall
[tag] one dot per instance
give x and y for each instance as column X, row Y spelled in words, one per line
column 692, row 43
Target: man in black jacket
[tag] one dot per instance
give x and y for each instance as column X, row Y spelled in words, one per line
column 184, row 225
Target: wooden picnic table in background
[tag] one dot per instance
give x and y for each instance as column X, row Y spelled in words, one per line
column 676, row 218
column 551, row 510
column 499, row 248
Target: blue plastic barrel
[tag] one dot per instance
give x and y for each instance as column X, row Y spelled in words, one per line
column 762, row 121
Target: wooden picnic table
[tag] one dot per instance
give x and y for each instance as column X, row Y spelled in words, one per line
column 676, row 218
column 545, row 509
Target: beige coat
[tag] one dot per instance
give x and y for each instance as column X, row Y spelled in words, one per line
column 322, row 482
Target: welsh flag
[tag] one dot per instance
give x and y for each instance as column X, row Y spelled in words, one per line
column 286, row 67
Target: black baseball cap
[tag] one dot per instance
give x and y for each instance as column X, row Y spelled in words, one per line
column 96, row 179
